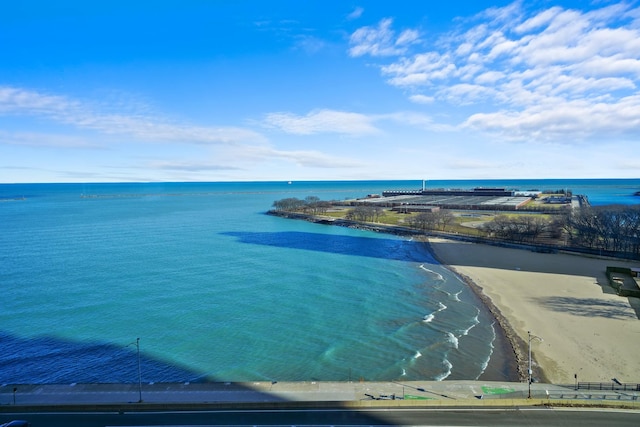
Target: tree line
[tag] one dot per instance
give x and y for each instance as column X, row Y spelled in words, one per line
column 607, row 228
column 311, row 204
column 611, row 229
column 434, row 220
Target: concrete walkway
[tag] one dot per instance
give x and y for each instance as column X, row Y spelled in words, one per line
column 449, row 393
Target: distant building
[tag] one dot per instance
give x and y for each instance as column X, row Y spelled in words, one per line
column 557, row 200
column 479, row 191
column 407, row 208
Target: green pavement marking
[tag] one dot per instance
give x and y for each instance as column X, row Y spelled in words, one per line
column 496, row 390
column 414, row 397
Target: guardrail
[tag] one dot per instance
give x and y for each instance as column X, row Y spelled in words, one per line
column 604, row 386
column 592, row 396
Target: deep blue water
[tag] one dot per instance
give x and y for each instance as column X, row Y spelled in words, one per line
column 217, row 290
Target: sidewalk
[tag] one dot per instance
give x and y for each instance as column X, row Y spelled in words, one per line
column 449, row 393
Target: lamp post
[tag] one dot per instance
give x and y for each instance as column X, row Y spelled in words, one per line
column 531, row 337
column 139, row 372
column 137, row 344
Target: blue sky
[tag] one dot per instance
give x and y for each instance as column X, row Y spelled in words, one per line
column 318, row 90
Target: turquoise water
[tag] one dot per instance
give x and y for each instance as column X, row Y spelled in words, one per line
column 216, row 290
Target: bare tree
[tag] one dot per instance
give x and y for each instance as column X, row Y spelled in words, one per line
column 444, row 218
column 423, row 221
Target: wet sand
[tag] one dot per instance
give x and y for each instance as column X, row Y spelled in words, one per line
column 565, row 299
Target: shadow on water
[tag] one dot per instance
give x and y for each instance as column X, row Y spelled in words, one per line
column 49, row 360
column 384, row 248
column 30, row 365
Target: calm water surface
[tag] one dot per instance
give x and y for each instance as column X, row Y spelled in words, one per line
column 216, row 290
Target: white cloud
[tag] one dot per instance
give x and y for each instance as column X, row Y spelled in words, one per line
column 526, row 72
column 421, row 99
column 489, row 77
column 38, row 139
column 407, row 37
column 323, row 121
column 356, row 13
column 408, row 118
column 60, row 109
column 316, row 159
column 381, row 40
column 565, row 122
column 309, row 44
column 190, row 166
column 540, row 20
column 307, row 158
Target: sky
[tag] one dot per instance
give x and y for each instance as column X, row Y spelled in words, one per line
column 253, row 90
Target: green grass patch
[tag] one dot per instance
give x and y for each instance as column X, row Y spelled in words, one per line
column 496, row 390
column 414, row 397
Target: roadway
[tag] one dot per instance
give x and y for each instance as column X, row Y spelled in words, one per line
column 419, row 403
column 524, row 416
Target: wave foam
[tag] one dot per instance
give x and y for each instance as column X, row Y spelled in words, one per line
column 452, row 339
column 432, row 273
column 475, row 322
column 428, row 318
column 447, row 372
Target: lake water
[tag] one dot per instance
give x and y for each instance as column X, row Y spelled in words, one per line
column 216, row 290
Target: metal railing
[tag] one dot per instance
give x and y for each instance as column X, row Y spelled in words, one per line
column 605, row 386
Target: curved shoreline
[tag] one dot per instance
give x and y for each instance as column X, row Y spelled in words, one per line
column 583, row 330
column 580, row 329
column 512, row 359
column 516, row 344
column 504, row 331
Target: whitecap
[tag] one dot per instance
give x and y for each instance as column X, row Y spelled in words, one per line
column 432, row 273
column 428, row 318
column 452, row 339
column 475, row 322
column 418, row 354
column 466, row 331
column 445, row 374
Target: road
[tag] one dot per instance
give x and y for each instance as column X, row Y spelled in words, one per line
column 525, row 416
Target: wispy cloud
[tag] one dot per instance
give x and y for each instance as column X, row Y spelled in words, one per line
column 381, row 40
column 308, row 158
column 36, row 139
column 323, row 121
column 544, row 74
column 422, row 99
column 355, row 14
column 308, row 44
column 63, row 110
column 315, row 159
column 191, row 166
column 349, row 123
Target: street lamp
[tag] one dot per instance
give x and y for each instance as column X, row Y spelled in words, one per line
column 531, row 337
column 137, row 344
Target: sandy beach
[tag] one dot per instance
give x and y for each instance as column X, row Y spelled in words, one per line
column 587, row 330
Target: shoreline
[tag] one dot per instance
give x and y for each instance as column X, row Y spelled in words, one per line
column 516, row 362
column 580, row 329
column 512, row 363
column 588, row 332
